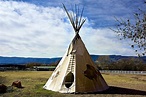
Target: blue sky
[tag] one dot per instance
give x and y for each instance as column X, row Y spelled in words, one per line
column 40, row 28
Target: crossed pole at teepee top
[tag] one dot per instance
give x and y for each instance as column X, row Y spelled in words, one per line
column 75, row 18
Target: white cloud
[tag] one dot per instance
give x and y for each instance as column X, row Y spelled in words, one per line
column 35, row 31
column 105, row 42
column 29, row 30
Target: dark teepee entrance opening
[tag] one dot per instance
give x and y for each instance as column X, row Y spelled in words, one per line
column 69, row 79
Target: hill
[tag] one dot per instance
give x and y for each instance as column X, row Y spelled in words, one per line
column 23, row 60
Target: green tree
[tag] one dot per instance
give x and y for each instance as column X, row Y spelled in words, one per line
column 103, row 62
column 134, row 64
column 31, row 64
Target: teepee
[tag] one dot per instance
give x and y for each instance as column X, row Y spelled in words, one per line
column 76, row 72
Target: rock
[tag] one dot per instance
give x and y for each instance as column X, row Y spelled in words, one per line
column 3, row 88
column 17, row 84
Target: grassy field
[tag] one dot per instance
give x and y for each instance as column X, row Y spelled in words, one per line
column 121, row 85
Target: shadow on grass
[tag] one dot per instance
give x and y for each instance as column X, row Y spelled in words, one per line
column 120, row 90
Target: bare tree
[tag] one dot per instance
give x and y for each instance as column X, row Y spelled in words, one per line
column 135, row 31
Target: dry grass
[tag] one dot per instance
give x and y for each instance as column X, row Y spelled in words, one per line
column 137, row 82
column 121, row 85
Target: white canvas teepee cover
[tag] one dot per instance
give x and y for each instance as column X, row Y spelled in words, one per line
column 76, row 72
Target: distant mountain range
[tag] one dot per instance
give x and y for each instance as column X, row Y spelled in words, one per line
column 23, row 60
